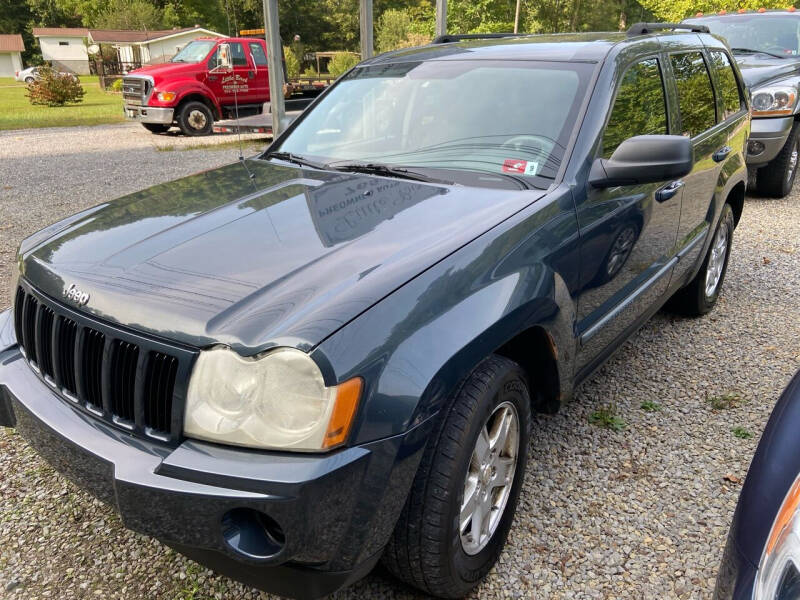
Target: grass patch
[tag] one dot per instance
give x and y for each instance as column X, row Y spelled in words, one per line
column 248, row 146
column 98, row 107
column 650, row 406
column 741, row 433
column 606, row 416
column 724, row 401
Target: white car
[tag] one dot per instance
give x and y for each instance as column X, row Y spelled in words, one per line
column 26, row 75
column 32, row 73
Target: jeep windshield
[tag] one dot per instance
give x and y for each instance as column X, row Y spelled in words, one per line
column 194, row 52
column 485, row 123
column 775, row 35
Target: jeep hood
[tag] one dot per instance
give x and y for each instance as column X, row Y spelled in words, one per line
column 256, row 254
column 759, row 69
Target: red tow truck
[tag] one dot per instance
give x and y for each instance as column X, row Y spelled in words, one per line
column 192, row 90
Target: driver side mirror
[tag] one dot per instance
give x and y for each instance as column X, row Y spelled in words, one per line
column 644, row 159
column 224, row 59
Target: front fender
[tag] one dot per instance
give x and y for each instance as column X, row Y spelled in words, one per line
column 414, row 346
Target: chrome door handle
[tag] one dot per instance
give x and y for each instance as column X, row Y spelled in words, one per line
column 669, row 190
column 721, row 154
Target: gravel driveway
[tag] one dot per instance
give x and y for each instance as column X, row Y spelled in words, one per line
column 637, row 513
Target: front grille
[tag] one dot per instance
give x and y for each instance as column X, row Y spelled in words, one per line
column 135, row 90
column 131, row 381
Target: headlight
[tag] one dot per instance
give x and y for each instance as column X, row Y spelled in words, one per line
column 774, row 100
column 166, row 96
column 779, row 569
column 278, row 401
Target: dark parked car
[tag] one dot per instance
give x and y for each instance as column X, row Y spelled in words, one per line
column 292, row 366
column 766, row 44
column 762, row 557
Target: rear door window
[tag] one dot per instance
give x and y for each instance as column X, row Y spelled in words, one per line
column 695, row 94
column 639, row 108
column 259, row 56
column 730, row 94
column 238, row 55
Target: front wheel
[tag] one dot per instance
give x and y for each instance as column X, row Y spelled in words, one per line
column 462, row 502
column 776, row 179
column 195, row 118
column 702, row 292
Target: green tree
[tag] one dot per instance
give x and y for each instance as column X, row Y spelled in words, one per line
column 131, row 14
column 675, row 10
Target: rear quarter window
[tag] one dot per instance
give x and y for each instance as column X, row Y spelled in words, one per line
column 731, row 97
column 695, row 94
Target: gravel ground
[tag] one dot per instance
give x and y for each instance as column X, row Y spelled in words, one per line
column 638, row 513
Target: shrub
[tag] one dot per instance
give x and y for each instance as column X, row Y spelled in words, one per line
column 310, row 73
column 292, row 63
column 342, row 62
column 117, row 85
column 52, row 88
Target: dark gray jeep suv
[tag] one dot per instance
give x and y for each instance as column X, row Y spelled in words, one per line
column 766, row 45
column 294, row 365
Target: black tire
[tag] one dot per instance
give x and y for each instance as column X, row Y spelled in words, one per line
column 29, row 80
column 692, row 300
column 426, row 549
column 156, row 127
column 775, row 180
column 195, row 118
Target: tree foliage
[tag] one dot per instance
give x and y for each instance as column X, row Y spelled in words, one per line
column 333, row 24
column 675, row 10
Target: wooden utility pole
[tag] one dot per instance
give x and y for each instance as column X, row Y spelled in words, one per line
column 272, row 33
column 516, row 17
column 365, row 19
column 441, row 17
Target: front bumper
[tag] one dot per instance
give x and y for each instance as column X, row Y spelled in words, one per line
column 770, row 135
column 335, row 512
column 148, row 114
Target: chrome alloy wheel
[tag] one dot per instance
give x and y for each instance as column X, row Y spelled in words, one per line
column 716, row 261
column 490, row 478
column 197, row 119
column 792, row 162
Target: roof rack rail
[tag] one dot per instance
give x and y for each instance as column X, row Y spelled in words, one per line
column 643, row 28
column 448, row 37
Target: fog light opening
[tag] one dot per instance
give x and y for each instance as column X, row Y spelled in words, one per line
column 252, row 533
column 755, row 148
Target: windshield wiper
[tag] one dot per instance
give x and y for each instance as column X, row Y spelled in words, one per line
column 753, row 51
column 386, row 170
column 297, row 159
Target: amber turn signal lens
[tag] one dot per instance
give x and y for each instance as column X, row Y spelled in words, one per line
column 788, row 509
column 348, row 394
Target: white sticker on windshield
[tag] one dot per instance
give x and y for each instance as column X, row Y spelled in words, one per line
column 531, row 168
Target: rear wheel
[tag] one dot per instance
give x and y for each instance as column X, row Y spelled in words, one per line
column 776, row 179
column 462, row 502
column 156, row 127
column 700, row 296
column 195, row 118
column 29, row 79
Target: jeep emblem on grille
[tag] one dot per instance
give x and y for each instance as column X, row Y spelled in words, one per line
column 75, row 295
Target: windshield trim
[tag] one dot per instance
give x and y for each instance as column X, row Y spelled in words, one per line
column 570, row 139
